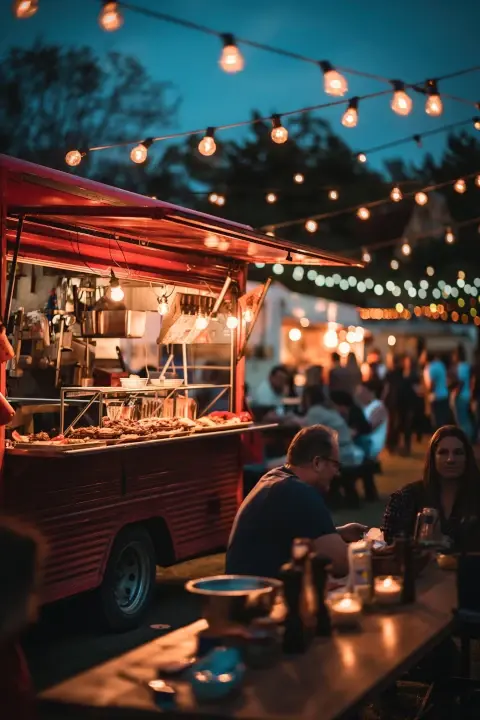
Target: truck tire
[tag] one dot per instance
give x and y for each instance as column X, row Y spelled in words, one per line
column 129, row 580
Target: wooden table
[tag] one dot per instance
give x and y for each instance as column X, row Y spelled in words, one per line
column 333, row 679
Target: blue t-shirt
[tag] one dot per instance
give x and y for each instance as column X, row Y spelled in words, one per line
column 438, row 376
column 279, row 509
column 463, row 374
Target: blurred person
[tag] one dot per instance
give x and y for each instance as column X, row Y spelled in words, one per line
column 352, row 413
column 460, row 385
column 338, row 376
column 391, row 398
column 376, row 415
column 436, row 385
column 355, row 373
column 476, row 393
column 22, row 550
column 378, row 371
column 271, row 392
column 288, row 503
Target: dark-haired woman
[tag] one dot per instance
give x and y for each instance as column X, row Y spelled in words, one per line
column 450, row 484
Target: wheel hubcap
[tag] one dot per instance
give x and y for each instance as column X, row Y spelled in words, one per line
column 131, row 578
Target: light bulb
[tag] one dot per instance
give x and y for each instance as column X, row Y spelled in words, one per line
column 350, row 116
column 401, row 102
column 330, row 338
column 333, row 82
column 449, row 236
column 116, row 293
column 162, row 305
column 311, row 226
column 213, row 198
column 434, row 105
column 460, row 186
column 207, row 145
column 271, row 198
column 476, row 123
column 279, row 134
column 304, row 322
column 394, row 264
column 421, row 198
column 110, row 17
column 201, row 322
column 221, row 200
column 391, row 340
column 248, row 315
column 396, row 194
column 295, row 334
column 477, row 181
column 232, row 322
column 139, row 153
column 366, row 257
column 430, row 271
column 363, row 213
column 73, row 158
column 361, row 157
column 231, row 59
column 23, row 9
column 406, row 249
column 333, row 195
column 298, row 178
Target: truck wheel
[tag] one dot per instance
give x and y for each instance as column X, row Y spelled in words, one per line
column 129, row 580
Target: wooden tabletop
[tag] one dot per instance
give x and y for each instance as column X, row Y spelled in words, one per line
column 333, row 678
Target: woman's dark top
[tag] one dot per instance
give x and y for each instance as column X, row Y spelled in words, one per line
column 401, row 512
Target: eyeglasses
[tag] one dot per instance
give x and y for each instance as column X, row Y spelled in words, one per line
column 334, row 462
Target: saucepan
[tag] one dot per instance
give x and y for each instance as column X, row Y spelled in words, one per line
column 235, row 598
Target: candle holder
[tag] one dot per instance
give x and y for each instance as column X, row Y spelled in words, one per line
column 345, row 610
column 387, row 590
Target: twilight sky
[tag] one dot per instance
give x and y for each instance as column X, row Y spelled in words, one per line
column 410, row 40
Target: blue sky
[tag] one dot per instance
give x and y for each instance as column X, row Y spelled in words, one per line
column 410, row 40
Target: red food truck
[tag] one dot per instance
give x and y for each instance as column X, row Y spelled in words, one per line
column 117, row 498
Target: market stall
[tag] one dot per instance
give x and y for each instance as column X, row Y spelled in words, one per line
column 142, row 472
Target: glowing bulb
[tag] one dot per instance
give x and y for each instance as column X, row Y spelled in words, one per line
column 394, row 264
column 278, row 269
column 350, row 116
column 271, row 198
column 232, row 322
column 201, row 322
column 449, row 236
column 401, row 102
column 139, row 153
column 363, row 213
column 248, row 315
column 23, row 9
column 73, row 158
column 110, row 17
column 207, row 145
column 366, row 257
column 406, row 249
column 295, row 334
column 298, row 178
column 392, row 340
column 311, row 226
column 333, row 195
column 213, row 198
column 460, row 186
column 430, row 271
column 116, row 293
column 220, row 200
column 231, row 59
column 330, row 338
column 421, row 198
column 333, row 82
column 477, row 181
column 361, row 157
column 162, row 305
column 434, row 105
column 476, row 123
column 279, row 134
column 304, row 322
column 396, row 194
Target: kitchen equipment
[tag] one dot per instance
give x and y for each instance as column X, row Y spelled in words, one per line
column 133, row 382
column 117, row 410
column 113, row 323
column 234, row 598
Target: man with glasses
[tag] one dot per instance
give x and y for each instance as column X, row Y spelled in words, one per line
column 288, row 503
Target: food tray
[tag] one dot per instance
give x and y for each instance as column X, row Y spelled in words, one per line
column 226, row 426
column 58, row 447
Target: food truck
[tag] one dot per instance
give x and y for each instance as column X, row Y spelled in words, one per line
column 135, row 471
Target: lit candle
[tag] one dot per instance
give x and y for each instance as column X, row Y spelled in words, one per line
column 345, row 610
column 388, row 590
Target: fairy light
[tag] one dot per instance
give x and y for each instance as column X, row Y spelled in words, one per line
column 74, row 157
column 477, row 180
column 279, row 134
column 334, row 83
column 460, row 186
column 363, row 213
column 333, row 195
column 23, row 9
column 366, row 257
column 162, row 305
column 361, row 157
column 201, row 322
column 231, row 59
column 433, row 105
column 139, row 153
column 449, row 236
column 213, row 197
column 116, row 291
column 271, row 198
column 298, row 178
column 110, row 18
column 311, row 226
column 220, row 200
column 396, row 195
column 421, row 198
column 476, row 123
column 248, row 314
column 304, row 322
column 207, row 145
column 401, row 102
column 406, row 248
column 430, row 271
column 294, row 334
column 232, row 322
column 278, row 269
column 394, row 264
column 350, row 116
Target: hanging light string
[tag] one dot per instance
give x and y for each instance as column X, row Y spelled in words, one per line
column 372, row 204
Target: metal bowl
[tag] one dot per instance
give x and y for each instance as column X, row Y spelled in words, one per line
column 235, row 598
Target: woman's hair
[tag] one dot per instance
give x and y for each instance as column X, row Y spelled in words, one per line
column 352, row 361
column 22, row 550
column 313, row 395
column 471, row 477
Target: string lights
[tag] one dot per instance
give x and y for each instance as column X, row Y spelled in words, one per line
column 401, row 102
column 207, row 145
column 396, row 195
column 231, row 59
column 460, row 186
column 363, row 213
column 311, row 226
column 271, row 198
column 421, row 198
column 449, row 236
column 139, row 153
column 298, row 178
column 74, row 158
column 350, row 116
column 433, row 105
column 115, row 290
column 333, row 195
column 279, row 134
column 334, row 83
column 110, row 18
column 23, row 9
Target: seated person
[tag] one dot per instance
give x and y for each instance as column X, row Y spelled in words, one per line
column 376, row 414
column 320, row 412
column 271, row 392
column 450, row 484
column 287, row 503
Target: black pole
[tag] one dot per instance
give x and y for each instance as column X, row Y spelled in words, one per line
column 13, row 272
